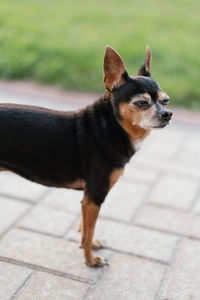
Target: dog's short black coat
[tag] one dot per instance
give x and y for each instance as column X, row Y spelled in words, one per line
column 57, row 148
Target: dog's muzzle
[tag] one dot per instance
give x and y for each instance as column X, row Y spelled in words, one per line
column 166, row 115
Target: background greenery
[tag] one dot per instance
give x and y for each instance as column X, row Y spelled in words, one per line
column 62, row 42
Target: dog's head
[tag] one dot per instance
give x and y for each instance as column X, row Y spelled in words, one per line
column 138, row 100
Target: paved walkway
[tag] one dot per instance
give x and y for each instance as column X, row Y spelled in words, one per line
column 150, row 221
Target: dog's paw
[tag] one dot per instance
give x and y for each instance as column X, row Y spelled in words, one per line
column 96, row 244
column 97, row 262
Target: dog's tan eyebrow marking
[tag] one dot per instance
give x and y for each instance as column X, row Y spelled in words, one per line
column 142, row 96
column 161, row 96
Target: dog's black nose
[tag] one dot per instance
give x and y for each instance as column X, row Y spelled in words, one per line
column 166, row 115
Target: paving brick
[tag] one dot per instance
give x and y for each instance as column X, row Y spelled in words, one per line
column 16, row 186
column 168, row 165
column 134, row 171
column 11, row 278
column 169, row 220
column 175, row 191
column 184, row 282
column 10, row 211
column 189, row 154
column 48, row 219
column 123, row 200
column 66, row 199
column 133, row 239
column 193, row 142
column 129, row 278
column 49, row 252
column 197, row 207
column 49, row 287
column 161, row 144
column 190, row 158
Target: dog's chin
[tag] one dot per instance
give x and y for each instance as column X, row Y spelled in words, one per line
column 156, row 126
column 160, row 126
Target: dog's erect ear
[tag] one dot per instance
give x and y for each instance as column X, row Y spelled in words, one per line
column 145, row 69
column 113, row 68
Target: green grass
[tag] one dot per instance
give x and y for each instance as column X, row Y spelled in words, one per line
column 62, row 42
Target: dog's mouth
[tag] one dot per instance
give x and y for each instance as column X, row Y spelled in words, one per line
column 156, row 125
column 161, row 125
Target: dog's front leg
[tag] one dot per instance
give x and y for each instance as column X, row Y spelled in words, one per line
column 96, row 244
column 90, row 213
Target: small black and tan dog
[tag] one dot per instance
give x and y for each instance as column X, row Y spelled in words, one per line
column 89, row 148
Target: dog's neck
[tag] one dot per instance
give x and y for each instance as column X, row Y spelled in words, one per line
column 135, row 132
column 109, row 134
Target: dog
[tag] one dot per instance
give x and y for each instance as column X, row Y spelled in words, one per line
column 89, row 148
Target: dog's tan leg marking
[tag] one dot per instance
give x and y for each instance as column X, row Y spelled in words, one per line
column 115, row 176
column 90, row 213
column 96, row 244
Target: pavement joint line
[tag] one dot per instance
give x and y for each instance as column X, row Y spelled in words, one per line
column 159, row 261
column 165, row 206
column 73, row 223
column 108, row 218
column 138, row 164
column 50, row 234
column 168, row 232
column 128, row 178
column 93, row 286
column 16, row 198
column 166, row 275
column 20, row 217
column 143, row 201
column 189, row 211
column 112, row 219
column 46, row 270
column 180, row 147
column 22, row 199
column 146, row 195
column 50, row 205
column 183, row 175
column 43, row 194
column 15, row 222
column 39, row 232
column 196, row 197
column 182, row 171
column 89, row 291
column 22, row 286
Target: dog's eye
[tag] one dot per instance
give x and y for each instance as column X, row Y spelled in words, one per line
column 165, row 101
column 141, row 103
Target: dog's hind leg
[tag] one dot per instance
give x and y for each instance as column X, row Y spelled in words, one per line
column 90, row 213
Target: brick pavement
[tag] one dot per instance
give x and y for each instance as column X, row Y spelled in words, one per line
column 150, row 222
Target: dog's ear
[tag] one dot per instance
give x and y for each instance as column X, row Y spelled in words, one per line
column 145, row 69
column 113, row 68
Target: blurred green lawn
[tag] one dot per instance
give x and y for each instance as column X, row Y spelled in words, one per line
column 62, row 42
